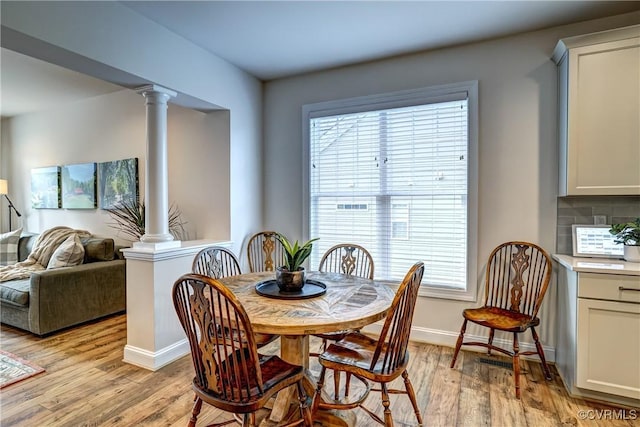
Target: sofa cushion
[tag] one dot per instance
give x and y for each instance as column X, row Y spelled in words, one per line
column 9, row 247
column 98, row 249
column 27, row 240
column 69, row 253
column 15, row 291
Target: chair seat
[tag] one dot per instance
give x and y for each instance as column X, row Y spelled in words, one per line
column 333, row 336
column 501, row 319
column 274, row 370
column 354, row 354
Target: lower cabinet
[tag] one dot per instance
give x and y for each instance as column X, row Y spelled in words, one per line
column 609, row 347
column 598, row 349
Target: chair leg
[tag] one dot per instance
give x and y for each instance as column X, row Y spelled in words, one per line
column 346, row 384
column 318, row 396
column 336, row 385
column 388, row 419
column 516, row 364
column 304, row 408
column 246, row 420
column 412, row 396
column 545, row 367
column 491, row 332
column 197, row 406
column 459, row 343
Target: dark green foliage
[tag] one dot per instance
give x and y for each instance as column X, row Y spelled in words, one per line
column 129, row 219
column 295, row 254
column 627, row 233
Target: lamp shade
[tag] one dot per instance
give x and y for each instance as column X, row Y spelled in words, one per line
column 4, row 187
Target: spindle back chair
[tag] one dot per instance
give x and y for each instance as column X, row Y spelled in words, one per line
column 229, row 372
column 382, row 360
column 516, row 281
column 265, row 252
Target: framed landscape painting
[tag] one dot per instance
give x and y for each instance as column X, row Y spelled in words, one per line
column 45, row 188
column 118, row 183
column 79, row 186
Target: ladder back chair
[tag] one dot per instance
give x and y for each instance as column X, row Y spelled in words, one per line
column 516, row 281
column 380, row 361
column 265, row 252
column 217, row 262
column 230, row 374
column 351, row 260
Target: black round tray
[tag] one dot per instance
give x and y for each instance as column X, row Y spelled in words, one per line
column 311, row 288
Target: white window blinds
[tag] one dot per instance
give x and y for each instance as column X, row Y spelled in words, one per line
column 394, row 181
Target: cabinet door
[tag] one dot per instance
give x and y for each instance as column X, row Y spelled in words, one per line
column 608, row 356
column 603, row 134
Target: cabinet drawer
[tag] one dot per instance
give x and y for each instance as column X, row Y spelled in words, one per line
column 609, row 287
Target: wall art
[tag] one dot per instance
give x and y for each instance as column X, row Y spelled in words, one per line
column 118, row 183
column 45, row 188
column 79, row 186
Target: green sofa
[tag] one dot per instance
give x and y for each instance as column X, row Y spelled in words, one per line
column 51, row 300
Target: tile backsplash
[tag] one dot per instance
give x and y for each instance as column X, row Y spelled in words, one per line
column 582, row 209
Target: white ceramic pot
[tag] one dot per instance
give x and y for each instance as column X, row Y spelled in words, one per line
column 632, row 253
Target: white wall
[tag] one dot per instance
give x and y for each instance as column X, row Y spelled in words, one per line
column 517, row 144
column 112, row 127
column 109, row 41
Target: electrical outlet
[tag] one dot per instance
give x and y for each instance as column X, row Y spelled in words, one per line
column 599, row 219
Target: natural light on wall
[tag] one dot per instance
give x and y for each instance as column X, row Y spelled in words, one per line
column 395, row 181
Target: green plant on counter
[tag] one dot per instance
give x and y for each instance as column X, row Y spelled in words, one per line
column 295, row 254
column 627, row 233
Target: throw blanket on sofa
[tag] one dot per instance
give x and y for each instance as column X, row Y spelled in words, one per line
column 41, row 253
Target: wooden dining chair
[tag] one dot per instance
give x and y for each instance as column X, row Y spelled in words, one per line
column 516, row 281
column 218, row 262
column 230, row 374
column 351, row 260
column 380, row 361
column 265, row 252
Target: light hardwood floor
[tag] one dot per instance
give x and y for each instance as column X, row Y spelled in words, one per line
column 87, row 384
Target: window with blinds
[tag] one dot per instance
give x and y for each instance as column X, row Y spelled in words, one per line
column 396, row 181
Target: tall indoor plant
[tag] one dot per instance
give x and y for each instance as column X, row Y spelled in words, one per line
column 628, row 234
column 290, row 276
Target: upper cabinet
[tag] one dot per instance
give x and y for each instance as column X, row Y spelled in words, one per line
column 599, row 105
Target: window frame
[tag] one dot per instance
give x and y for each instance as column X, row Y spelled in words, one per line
column 408, row 98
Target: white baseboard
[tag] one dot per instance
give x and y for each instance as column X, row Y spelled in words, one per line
column 155, row 360
column 448, row 339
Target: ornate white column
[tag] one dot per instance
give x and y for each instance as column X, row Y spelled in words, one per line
column 156, row 178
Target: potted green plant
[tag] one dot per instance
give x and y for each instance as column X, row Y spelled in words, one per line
column 290, row 277
column 629, row 235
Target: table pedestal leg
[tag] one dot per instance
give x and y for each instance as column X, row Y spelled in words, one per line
column 293, row 349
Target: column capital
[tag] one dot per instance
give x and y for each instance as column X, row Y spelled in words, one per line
column 155, row 89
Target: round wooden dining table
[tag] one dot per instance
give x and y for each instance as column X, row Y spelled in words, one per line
column 349, row 303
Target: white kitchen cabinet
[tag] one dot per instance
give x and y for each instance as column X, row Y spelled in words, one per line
column 608, row 353
column 599, row 106
column 598, row 341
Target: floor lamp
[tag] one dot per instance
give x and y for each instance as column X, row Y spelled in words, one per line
column 4, row 190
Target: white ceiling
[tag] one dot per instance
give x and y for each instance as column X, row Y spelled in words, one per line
column 273, row 39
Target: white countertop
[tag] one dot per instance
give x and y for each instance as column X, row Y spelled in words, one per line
column 598, row 265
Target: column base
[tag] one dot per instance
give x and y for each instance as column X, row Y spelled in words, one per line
column 156, row 238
